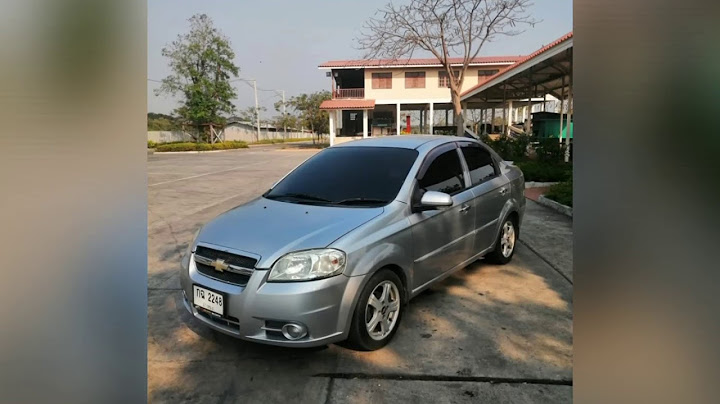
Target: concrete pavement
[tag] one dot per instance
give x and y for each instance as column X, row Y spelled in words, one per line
column 487, row 333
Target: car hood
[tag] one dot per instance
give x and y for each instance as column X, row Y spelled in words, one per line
column 271, row 228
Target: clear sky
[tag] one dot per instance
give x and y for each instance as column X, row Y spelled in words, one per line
column 281, row 43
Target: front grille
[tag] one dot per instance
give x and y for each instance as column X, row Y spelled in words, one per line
column 239, row 270
column 229, row 258
column 225, row 276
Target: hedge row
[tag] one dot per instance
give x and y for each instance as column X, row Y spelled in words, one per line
column 191, row 146
column 539, row 171
column 289, row 140
column 561, row 193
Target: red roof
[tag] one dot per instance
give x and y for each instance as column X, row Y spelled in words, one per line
column 523, row 60
column 348, row 104
column 416, row 62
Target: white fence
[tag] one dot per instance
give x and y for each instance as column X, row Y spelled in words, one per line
column 230, row 133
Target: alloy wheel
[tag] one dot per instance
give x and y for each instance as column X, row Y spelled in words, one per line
column 507, row 240
column 382, row 310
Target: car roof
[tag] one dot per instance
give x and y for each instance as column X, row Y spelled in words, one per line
column 402, row 141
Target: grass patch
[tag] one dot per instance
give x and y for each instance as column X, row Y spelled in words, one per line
column 561, row 193
column 544, row 171
column 191, row 146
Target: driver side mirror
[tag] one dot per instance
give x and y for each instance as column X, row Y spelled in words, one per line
column 432, row 200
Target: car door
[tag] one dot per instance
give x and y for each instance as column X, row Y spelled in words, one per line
column 442, row 238
column 489, row 189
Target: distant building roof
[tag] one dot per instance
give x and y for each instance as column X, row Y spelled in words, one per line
column 427, row 62
column 520, row 63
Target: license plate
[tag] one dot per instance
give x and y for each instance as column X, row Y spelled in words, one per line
column 209, row 300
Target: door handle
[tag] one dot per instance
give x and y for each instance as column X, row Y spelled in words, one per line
column 503, row 191
column 464, row 208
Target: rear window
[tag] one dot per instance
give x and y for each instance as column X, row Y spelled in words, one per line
column 347, row 176
column 480, row 164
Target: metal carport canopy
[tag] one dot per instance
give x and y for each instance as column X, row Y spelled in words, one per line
column 545, row 71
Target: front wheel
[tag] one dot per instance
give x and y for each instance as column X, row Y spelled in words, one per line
column 378, row 311
column 505, row 244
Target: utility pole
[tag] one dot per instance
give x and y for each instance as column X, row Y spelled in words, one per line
column 257, row 110
column 284, row 115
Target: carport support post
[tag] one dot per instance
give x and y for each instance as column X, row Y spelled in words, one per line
column 492, row 120
column 397, row 119
column 365, row 123
column 569, row 116
column 446, row 117
column 562, row 106
column 432, row 114
column 331, row 114
column 529, row 116
column 509, row 118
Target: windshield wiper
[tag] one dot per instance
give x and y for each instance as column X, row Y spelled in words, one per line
column 298, row 196
column 369, row 201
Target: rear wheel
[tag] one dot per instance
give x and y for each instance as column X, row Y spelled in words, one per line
column 378, row 311
column 505, row 244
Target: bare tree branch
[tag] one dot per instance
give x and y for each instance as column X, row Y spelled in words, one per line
column 445, row 29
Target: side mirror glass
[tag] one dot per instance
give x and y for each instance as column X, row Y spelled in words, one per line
column 434, row 200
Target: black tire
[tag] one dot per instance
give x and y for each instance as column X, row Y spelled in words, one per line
column 496, row 256
column 359, row 338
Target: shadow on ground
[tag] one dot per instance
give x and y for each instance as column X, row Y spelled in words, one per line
column 508, row 324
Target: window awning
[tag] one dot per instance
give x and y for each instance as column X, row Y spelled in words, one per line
column 348, row 104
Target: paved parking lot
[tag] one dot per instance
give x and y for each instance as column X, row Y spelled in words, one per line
column 486, row 334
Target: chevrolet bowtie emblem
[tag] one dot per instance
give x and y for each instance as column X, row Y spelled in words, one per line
column 219, row 265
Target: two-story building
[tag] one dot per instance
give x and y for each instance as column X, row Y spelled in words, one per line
column 370, row 96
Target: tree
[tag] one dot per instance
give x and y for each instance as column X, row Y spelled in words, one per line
column 307, row 107
column 161, row 122
column 202, row 64
column 443, row 28
column 250, row 114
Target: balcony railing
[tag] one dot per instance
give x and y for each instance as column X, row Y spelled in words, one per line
column 349, row 93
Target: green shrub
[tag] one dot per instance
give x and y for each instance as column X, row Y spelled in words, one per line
column 550, row 151
column 190, row 146
column 544, row 171
column 561, row 193
column 151, row 144
column 511, row 149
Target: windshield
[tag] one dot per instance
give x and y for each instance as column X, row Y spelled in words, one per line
column 347, row 176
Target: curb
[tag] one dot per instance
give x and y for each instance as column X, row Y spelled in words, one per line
column 565, row 210
column 534, row 184
column 200, row 151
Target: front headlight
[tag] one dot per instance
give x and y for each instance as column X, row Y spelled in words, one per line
column 307, row 265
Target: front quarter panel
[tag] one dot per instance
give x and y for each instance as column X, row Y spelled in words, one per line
column 385, row 240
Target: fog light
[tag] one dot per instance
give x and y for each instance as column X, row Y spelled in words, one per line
column 294, row 331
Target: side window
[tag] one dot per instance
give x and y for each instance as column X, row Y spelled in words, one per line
column 480, row 164
column 445, row 174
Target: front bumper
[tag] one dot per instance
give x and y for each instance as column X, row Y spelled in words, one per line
column 255, row 311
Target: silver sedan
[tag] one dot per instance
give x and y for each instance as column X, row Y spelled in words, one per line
column 335, row 249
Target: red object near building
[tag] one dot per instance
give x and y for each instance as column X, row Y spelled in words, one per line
column 407, row 123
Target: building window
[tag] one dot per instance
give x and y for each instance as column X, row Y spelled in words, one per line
column 414, row 79
column 485, row 74
column 381, row 80
column 444, row 78
column 482, row 74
